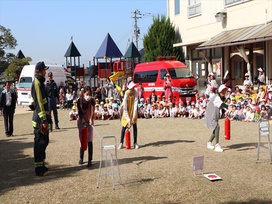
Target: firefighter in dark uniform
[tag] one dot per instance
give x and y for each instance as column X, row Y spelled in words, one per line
column 40, row 119
column 52, row 94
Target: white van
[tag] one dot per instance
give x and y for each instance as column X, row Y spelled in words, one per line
column 27, row 77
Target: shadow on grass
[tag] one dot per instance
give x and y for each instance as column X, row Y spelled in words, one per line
column 246, row 146
column 166, row 142
column 17, row 169
column 137, row 160
column 251, row 201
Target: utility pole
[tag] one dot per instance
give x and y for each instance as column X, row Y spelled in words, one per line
column 137, row 15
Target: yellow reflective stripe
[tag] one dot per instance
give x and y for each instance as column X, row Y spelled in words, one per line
column 39, row 98
column 42, row 115
column 34, row 124
column 38, row 164
column 44, row 101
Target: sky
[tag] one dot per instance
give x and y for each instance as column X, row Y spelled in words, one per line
column 43, row 28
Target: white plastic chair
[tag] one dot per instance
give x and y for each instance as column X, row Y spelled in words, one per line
column 264, row 131
column 108, row 156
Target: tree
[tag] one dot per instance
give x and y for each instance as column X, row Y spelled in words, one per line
column 160, row 39
column 15, row 68
column 7, row 41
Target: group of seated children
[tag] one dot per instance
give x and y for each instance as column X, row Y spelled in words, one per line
column 241, row 108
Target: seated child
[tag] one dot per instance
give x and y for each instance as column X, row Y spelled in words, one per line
column 110, row 112
column 73, row 114
column 116, row 113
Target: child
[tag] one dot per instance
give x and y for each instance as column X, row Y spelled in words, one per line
column 105, row 112
column 146, row 111
column 110, row 112
column 116, row 113
column 97, row 112
column 249, row 115
column 73, row 114
column 264, row 114
column 61, row 99
column 239, row 112
column 153, row 111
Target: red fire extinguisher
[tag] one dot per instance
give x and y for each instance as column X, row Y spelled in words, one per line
column 84, row 140
column 127, row 138
column 227, row 129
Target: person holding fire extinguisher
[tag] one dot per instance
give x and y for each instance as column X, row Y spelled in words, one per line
column 212, row 116
column 85, row 122
column 130, row 113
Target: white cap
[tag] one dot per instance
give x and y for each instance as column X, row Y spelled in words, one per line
column 221, row 88
column 131, row 85
column 247, row 74
column 211, row 74
column 260, row 69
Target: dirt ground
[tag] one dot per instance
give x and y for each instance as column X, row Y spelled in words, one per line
column 159, row 172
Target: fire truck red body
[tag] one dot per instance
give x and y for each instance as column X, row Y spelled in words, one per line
column 151, row 75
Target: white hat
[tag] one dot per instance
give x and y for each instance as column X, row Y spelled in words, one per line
column 211, row 74
column 247, row 74
column 131, row 85
column 260, row 69
column 221, row 88
column 167, row 75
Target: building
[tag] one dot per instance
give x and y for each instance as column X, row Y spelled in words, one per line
column 222, row 36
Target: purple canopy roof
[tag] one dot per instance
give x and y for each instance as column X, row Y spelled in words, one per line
column 108, row 48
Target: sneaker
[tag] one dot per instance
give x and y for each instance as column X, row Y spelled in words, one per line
column 80, row 161
column 210, row 146
column 120, row 146
column 57, row 127
column 218, row 148
column 136, row 146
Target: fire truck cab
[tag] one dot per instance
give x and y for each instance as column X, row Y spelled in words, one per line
column 152, row 75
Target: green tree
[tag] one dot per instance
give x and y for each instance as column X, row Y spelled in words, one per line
column 7, row 41
column 15, row 68
column 160, row 39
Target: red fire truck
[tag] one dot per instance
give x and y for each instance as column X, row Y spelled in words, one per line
column 151, row 75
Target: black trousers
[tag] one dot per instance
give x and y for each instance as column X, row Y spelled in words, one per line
column 134, row 133
column 8, row 114
column 40, row 144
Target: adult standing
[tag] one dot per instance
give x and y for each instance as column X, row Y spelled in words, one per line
column 40, row 119
column 7, row 107
column 53, row 96
column 261, row 77
column 140, row 91
column 85, row 106
column 212, row 116
column 168, row 88
column 211, row 85
column 130, row 114
column 109, row 87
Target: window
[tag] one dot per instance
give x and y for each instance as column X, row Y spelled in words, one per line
column 25, row 82
column 180, row 73
column 148, row 76
column 194, row 8
column 177, row 7
column 163, row 73
column 233, row 2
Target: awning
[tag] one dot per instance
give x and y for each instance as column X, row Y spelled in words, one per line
column 239, row 36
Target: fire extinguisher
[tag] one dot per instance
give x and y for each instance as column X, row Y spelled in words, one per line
column 84, row 139
column 227, row 129
column 127, row 138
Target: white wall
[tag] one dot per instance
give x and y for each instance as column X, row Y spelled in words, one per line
column 202, row 28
